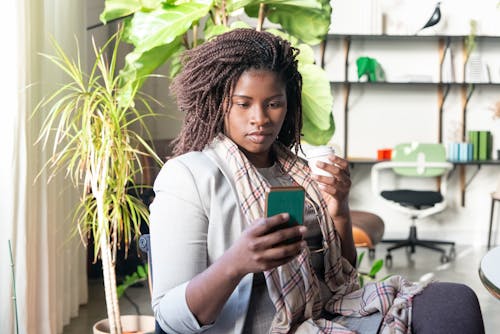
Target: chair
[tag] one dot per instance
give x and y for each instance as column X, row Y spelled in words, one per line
column 414, row 160
column 367, row 230
column 145, row 246
column 495, row 197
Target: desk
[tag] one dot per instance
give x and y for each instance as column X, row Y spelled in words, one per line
column 489, row 271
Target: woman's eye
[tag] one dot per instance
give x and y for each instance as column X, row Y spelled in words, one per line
column 275, row 105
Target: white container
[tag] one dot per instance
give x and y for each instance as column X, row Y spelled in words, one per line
column 139, row 324
column 319, row 153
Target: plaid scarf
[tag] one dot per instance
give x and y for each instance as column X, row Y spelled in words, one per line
column 293, row 287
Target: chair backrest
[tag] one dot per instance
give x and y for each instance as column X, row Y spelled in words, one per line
column 422, row 154
column 145, row 246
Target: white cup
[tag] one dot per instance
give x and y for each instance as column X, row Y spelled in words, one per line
column 319, row 153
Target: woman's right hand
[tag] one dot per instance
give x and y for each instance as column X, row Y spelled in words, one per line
column 266, row 245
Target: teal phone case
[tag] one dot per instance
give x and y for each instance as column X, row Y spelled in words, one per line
column 286, row 199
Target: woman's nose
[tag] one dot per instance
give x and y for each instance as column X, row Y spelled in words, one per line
column 259, row 115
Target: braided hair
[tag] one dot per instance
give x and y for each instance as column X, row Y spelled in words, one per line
column 211, row 71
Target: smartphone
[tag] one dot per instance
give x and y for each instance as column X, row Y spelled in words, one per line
column 288, row 199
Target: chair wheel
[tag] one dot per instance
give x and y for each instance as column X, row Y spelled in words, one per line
column 388, row 261
column 445, row 259
column 371, row 253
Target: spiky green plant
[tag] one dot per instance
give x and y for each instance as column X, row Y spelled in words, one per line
column 89, row 125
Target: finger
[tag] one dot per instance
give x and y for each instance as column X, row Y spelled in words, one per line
column 337, row 167
column 335, row 180
column 282, row 236
column 263, row 226
column 336, row 189
column 282, row 253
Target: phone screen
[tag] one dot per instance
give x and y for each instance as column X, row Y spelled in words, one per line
column 286, row 199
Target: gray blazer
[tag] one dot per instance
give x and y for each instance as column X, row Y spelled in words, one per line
column 195, row 218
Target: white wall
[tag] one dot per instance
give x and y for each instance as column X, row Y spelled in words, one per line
column 381, row 117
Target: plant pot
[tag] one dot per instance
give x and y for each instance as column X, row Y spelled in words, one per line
column 131, row 324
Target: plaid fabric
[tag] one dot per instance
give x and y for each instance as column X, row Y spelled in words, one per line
column 294, row 287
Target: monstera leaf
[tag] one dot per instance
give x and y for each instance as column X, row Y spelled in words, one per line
column 139, row 65
column 158, row 28
column 149, row 30
column 317, row 100
column 315, row 136
column 233, row 5
column 308, row 20
column 317, row 103
column 115, row 9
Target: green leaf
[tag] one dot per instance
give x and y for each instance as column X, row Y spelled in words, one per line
column 307, row 20
column 360, row 258
column 163, row 25
column 114, row 9
column 142, row 271
column 175, row 62
column 139, row 65
column 317, row 100
column 239, row 24
column 377, row 265
column 309, row 25
column 315, row 136
column 253, row 6
column 212, row 30
column 306, row 55
column 361, row 281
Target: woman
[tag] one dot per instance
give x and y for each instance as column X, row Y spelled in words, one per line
column 219, row 265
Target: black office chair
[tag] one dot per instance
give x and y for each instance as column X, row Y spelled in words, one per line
column 145, row 246
column 415, row 160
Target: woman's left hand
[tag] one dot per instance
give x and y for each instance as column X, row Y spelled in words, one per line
column 335, row 189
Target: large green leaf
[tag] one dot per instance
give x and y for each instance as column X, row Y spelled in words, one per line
column 233, row 5
column 309, row 24
column 315, row 136
column 161, row 26
column 139, row 65
column 317, row 100
column 114, row 9
column 212, row 30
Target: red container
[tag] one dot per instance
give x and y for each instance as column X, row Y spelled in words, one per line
column 384, row 154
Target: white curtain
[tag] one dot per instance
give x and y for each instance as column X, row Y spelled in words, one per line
column 50, row 275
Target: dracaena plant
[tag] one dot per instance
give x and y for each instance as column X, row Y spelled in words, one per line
column 161, row 29
column 94, row 136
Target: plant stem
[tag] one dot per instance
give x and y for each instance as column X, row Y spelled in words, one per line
column 99, row 171
column 262, row 16
column 14, row 294
column 224, row 16
column 109, row 276
column 195, row 35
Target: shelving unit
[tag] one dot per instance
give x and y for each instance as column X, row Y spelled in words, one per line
column 442, row 88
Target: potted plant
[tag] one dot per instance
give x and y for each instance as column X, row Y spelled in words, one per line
column 160, row 30
column 95, row 133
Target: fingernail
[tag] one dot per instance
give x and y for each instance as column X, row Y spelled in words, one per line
column 303, row 229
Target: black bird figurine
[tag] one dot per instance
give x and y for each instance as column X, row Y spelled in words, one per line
column 434, row 19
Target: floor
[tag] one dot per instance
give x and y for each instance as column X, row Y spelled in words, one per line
column 422, row 265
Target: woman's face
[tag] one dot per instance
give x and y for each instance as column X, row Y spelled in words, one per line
column 256, row 113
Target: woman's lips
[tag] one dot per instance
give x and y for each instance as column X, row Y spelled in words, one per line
column 259, row 137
